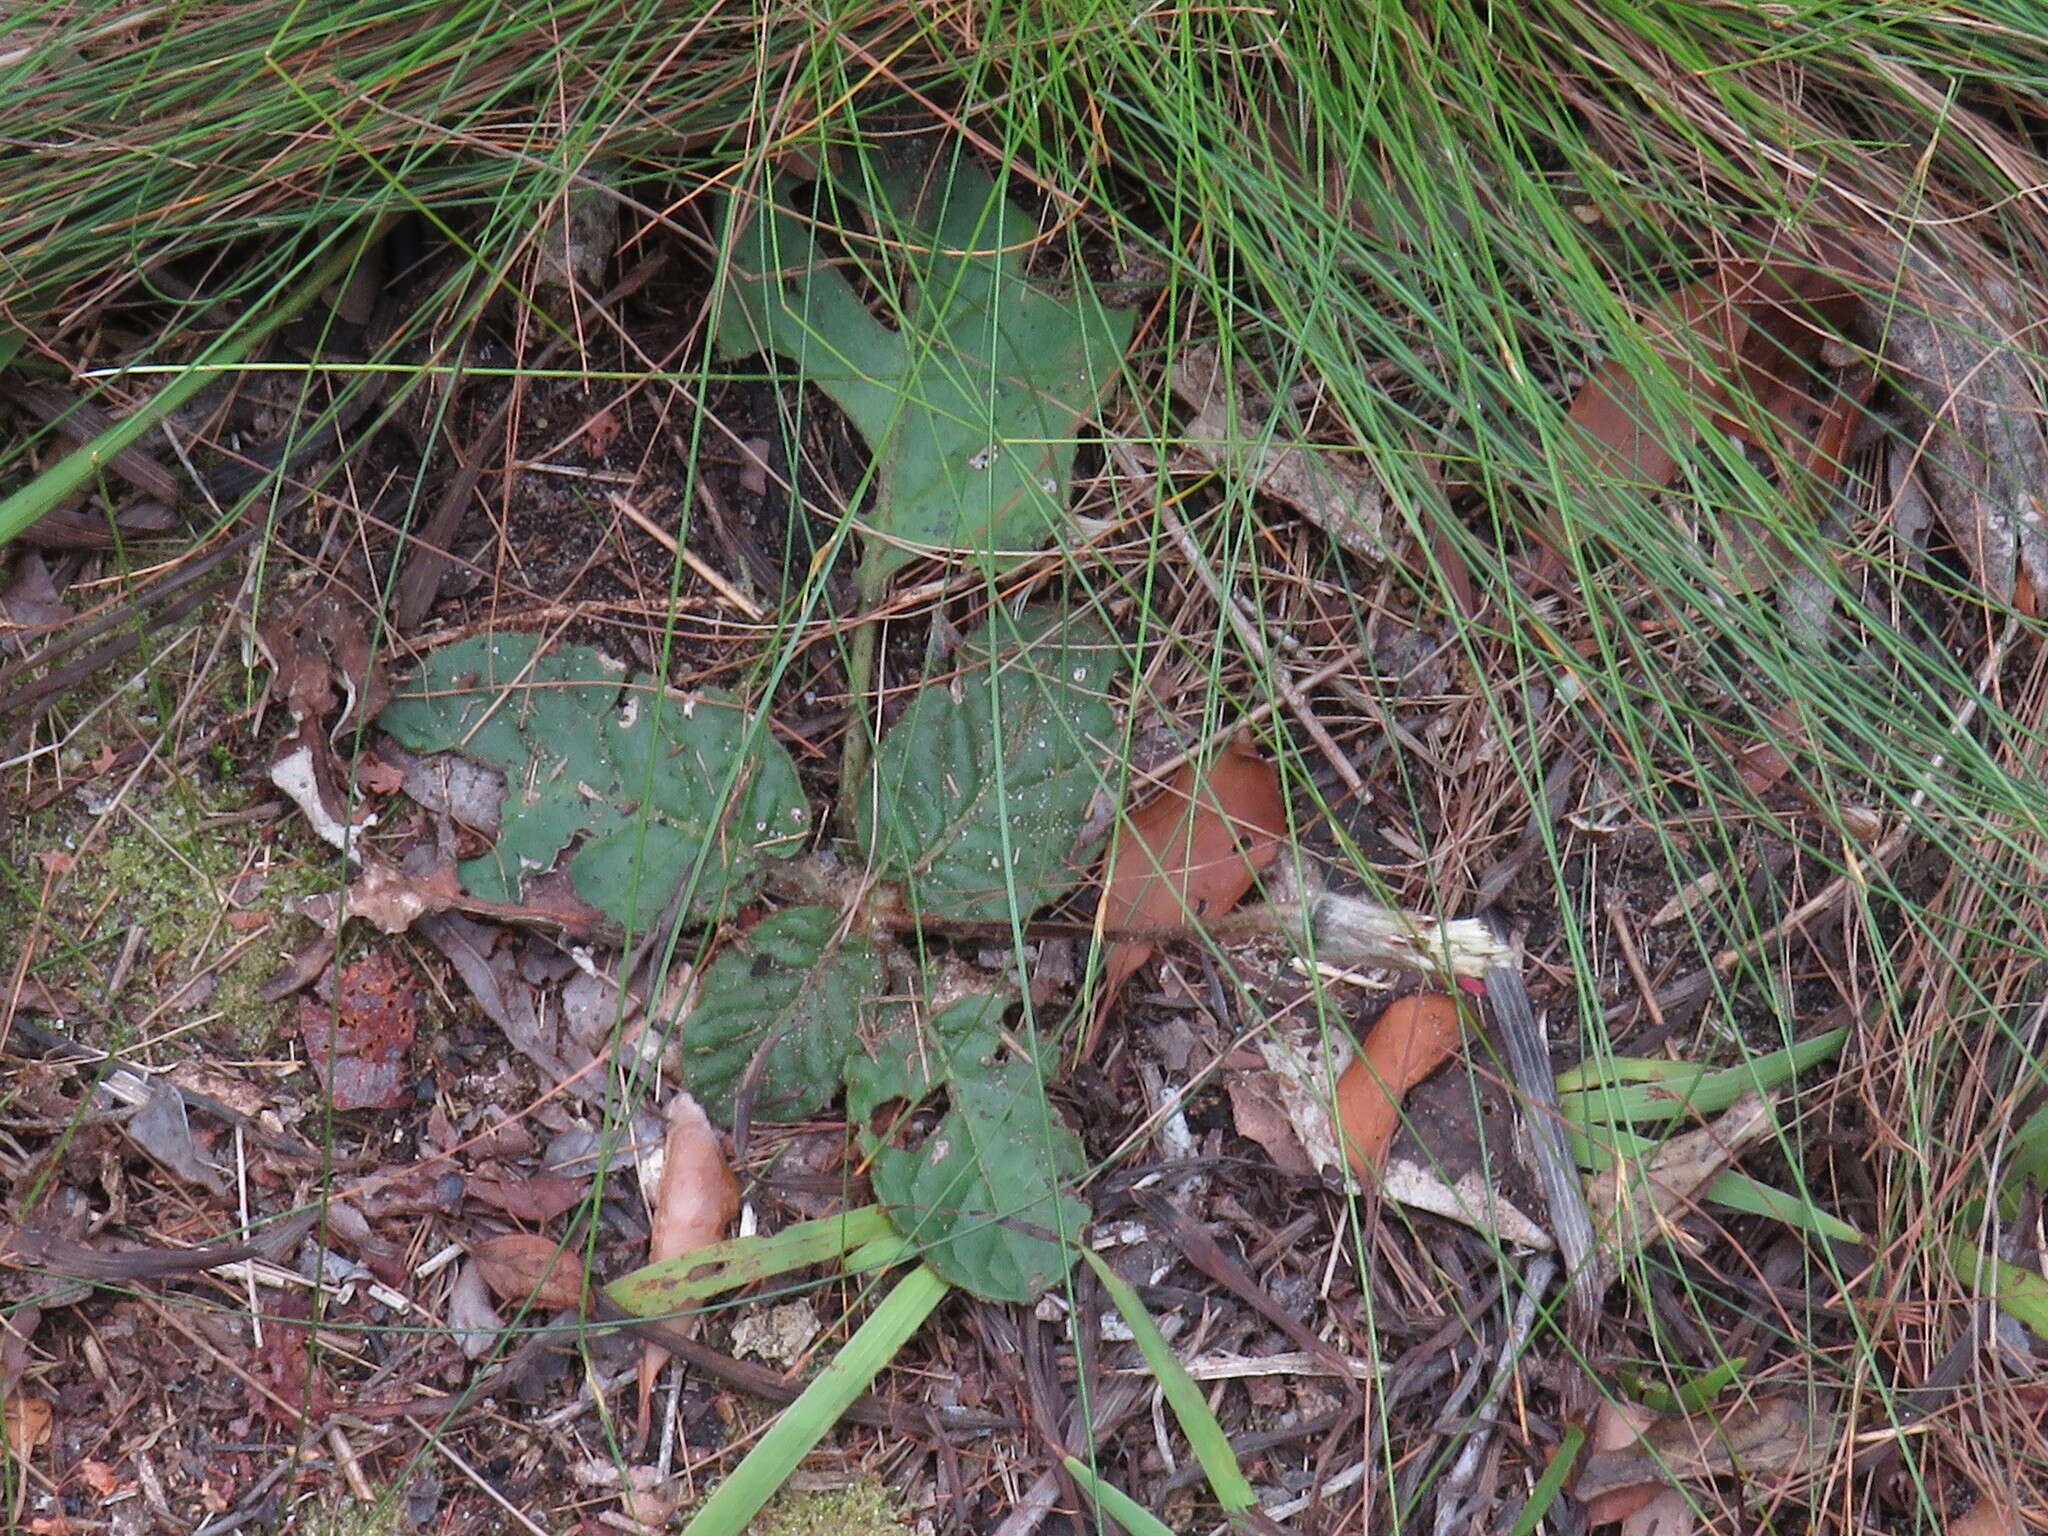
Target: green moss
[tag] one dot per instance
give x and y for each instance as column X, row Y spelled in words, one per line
column 862, row 1510
column 343, row 1516
column 166, row 863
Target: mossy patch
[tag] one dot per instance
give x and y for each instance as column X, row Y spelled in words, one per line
column 861, row 1510
column 201, row 893
column 343, row 1516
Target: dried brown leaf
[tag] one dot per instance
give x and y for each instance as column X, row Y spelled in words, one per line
column 1761, row 1438
column 1615, row 1428
column 696, row 1201
column 161, row 1128
column 1992, row 1515
column 525, row 1268
column 472, row 1321
column 1260, row 1114
column 1191, row 852
column 1747, row 346
column 28, row 1424
column 1409, row 1041
column 1667, row 1512
column 538, row 1199
column 1759, row 326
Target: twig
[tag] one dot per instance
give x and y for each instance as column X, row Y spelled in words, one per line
column 1255, row 651
column 440, row 1444
column 704, row 569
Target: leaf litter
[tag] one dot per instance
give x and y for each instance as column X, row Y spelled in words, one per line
column 1803, row 407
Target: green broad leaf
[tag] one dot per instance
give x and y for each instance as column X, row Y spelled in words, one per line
column 983, row 1193
column 978, row 793
column 969, row 398
column 2018, row 1291
column 655, row 795
column 780, row 1010
column 910, row 1060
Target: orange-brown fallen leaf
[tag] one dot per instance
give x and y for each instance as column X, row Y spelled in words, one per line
column 696, row 1201
column 525, row 1268
column 1409, row 1041
column 1190, row 852
column 1757, row 326
column 1991, row 1515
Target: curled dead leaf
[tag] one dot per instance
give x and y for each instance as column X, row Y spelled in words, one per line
column 1409, row 1041
column 525, row 1268
column 1634, row 1204
column 698, row 1196
column 28, row 1424
column 697, row 1199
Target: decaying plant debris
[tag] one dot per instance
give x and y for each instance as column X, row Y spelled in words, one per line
column 814, row 805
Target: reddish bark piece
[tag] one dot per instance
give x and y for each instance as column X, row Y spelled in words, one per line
column 295, row 1377
column 527, row 1269
column 357, row 1043
column 1190, row 852
column 1409, row 1041
column 697, row 1200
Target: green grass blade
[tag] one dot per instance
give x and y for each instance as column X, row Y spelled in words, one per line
column 1693, row 1394
column 807, row 1420
column 1696, row 1091
column 1206, row 1439
column 673, row 1285
column 1115, row 1503
column 81, row 464
column 1753, row 1197
column 1551, row 1483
